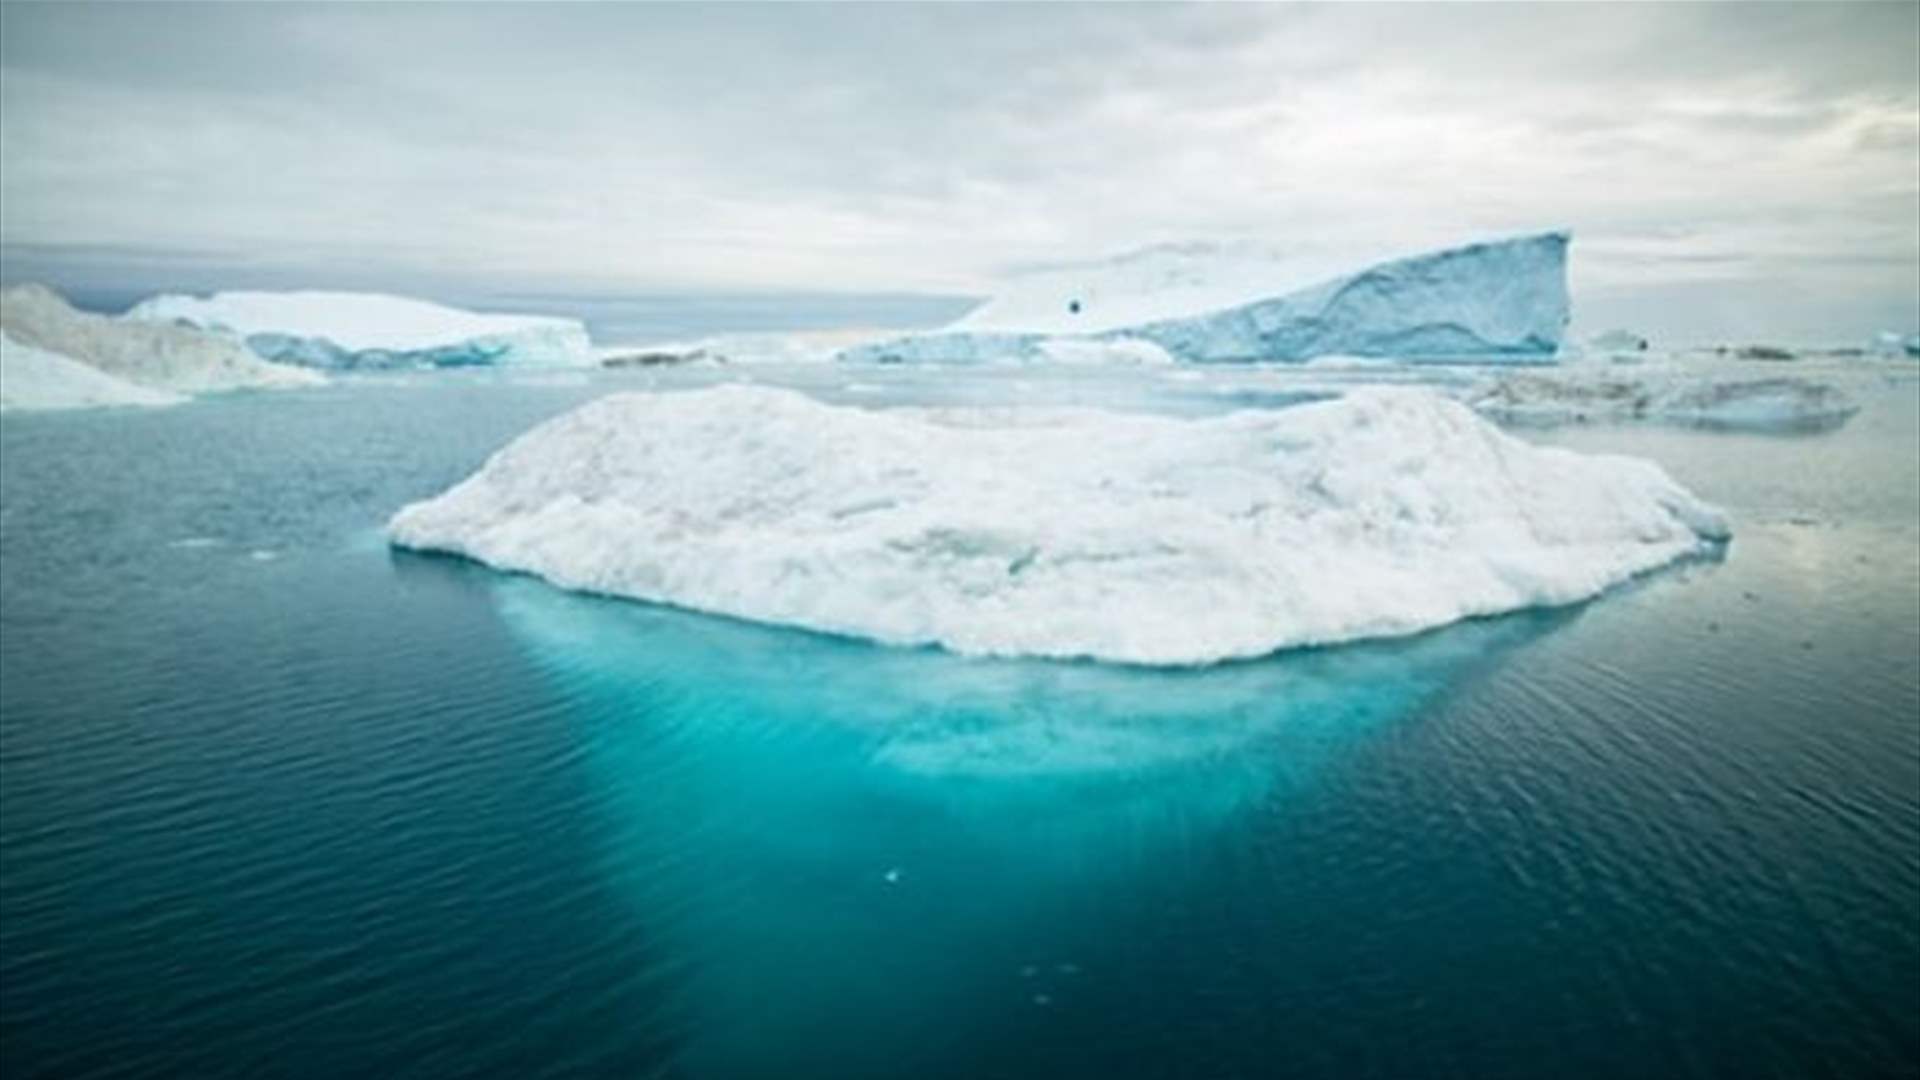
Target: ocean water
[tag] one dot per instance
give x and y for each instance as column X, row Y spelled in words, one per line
column 276, row 801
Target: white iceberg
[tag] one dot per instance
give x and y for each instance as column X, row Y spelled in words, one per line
column 1063, row 532
column 1617, row 342
column 372, row 330
column 1503, row 300
column 1702, row 398
column 1893, row 343
column 176, row 359
column 33, row 379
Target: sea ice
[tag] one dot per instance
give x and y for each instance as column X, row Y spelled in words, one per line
column 32, row 378
column 1707, row 398
column 178, row 359
column 1063, row 532
column 1500, row 300
column 371, row 330
column 771, row 347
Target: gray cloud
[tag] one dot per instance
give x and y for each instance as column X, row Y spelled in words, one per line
column 902, row 147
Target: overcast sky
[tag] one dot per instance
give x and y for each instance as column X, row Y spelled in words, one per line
column 1727, row 170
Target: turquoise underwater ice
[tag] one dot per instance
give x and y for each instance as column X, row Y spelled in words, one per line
column 827, row 831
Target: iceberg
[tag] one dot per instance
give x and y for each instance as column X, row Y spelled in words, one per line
column 1892, row 343
column 1702, row 399
column 33, row 379
column 1618, row 341
column 176, row 359
column 1501, row 300
column 1063, row 533
column 342, row 330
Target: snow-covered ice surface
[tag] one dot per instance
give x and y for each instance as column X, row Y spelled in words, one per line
column 372, row 330
column 1062, row 532
column 1502, row 299
column 33, row 378
column 177, row 359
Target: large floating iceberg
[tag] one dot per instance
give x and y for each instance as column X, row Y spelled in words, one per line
column 1503, row 300
column 176, row 359
column 1063, row 532
column 370, row 330
column 33, row 378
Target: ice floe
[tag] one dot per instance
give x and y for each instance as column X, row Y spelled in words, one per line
column 1700, row 397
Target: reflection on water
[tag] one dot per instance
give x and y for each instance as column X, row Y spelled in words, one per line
column 821, row 829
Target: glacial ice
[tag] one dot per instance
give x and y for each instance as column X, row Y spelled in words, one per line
column 1502, row 300
column 33, row 379
column 371, row 330
column 178, row 359
column 1062, row 532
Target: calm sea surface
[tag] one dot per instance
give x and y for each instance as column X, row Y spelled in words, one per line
column 275, row 801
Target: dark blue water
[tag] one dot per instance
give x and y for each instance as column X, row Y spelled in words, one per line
column 277, row 802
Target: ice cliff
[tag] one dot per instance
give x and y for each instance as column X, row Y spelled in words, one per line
column 1062, row 532
column 176, row 359
column 33, row 378
column 371, row 330
column 1505, row 300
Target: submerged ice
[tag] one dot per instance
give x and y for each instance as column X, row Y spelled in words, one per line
column 1063, row 532
column 1503, row 299
column 370, row 330
column 814, row 830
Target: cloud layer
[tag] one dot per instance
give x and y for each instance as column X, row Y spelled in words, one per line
column 1723, row 166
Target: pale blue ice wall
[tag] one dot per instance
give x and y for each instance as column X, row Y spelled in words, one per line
column 1503, row 300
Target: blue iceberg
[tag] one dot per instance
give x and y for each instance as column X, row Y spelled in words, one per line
column 1503, row 300
column 338, row 331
